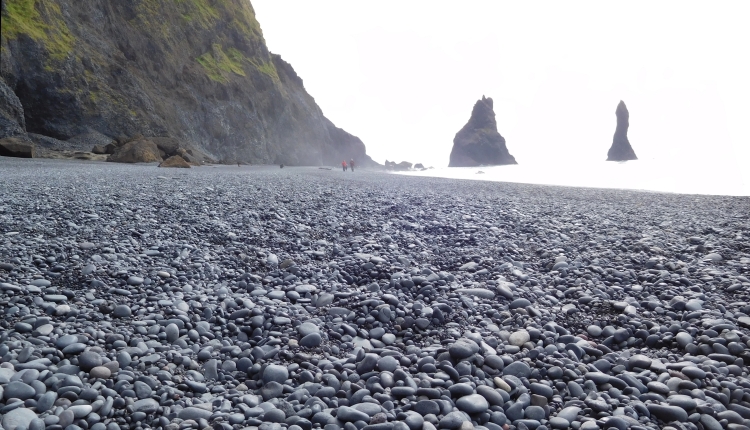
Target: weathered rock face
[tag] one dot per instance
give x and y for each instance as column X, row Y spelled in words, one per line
column 196, row 70
column 478, row 142
column 621, row 149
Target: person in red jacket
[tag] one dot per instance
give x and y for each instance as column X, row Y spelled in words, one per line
column 343, row 165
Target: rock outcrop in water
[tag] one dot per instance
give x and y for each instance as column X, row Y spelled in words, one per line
column 195, row 70
column 621, row 149
column 479, row 143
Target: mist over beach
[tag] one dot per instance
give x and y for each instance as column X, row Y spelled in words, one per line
column 647, row 175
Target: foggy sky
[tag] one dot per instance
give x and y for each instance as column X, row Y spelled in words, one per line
column 403, row 76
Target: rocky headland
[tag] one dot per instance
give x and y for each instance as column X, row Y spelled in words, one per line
column 264, row 298
column 621, row 149
column 79, row 74
column 478, row 143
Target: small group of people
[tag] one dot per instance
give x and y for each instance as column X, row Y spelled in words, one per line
column 350, row 165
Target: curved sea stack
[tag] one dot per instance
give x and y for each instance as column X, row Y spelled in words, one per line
column 621, row 149
column 479, row 143
column 198, row 71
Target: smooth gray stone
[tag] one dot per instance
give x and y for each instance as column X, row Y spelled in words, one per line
column 639, row 361
column 414, row 420
column 122, row 311
column 275, row 373
column 534, row 413
column 476, row 292
column 88, row 360
column 463, row 348
column 452, row 420
column 710, row 423
column 37, row 424
column 347, row 414
column 193, row 413
column 147, row 406
column 18, row 418
column 519, row 303
column 472, row 404
column 570, row 413
column 518, row 369
column 388, row 364
column 559, row 423
column 211, row 371
column 307, row 328
column 311, row 340
column 66, row 340
column 683, row 339
column 173, row 332
column 66, row 418
column 142, row 390
column 19, row 390
column 80, row 411
column 46, row 401
column 425, row 407
column 369, row 408
column 667, row 413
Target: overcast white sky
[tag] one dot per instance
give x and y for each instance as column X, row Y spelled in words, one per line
column 403, row 76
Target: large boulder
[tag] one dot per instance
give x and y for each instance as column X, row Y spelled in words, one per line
column 14, row 147
column 137, row 151
column 621, row 149
column 478, row 142
column 175, row 161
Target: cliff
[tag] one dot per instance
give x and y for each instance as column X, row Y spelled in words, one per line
column 478, row 142
column 621, row 149
column 83, row 71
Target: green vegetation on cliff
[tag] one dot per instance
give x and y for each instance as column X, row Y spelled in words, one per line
column 217, row 62
column 40, row 20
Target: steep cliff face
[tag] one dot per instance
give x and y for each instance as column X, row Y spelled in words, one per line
column 197, row 70
column 621, row 149
column 478, row 142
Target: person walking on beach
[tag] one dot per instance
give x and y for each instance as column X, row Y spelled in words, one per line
column 351, row 164
column 343, row 165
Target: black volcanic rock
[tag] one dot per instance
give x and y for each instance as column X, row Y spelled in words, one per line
column 621, row 149
column 479, row 143
column 198, row 71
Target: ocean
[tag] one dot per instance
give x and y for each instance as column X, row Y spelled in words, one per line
column 646, row 175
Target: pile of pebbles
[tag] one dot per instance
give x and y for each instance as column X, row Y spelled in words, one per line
column 255, row 297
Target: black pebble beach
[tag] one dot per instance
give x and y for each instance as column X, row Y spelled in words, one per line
column 256, row 297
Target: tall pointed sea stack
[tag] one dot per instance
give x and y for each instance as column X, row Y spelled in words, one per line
column 621, row 149
column 479, row 143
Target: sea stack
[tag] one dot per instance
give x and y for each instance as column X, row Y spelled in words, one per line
column 621, row 149
column 478, row 142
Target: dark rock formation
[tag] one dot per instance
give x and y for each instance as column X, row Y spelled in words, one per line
column 12, row 122
column 14, row 147
column 175, row 161
column 198, row 71
column 478, row 142
column 621, row 149
column 392, row 165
